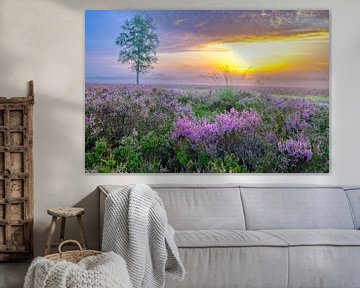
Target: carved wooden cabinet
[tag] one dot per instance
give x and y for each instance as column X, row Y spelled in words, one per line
column 16, row 177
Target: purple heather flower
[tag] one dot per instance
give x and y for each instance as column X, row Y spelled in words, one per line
column 295, row 151
column 197, row 132
column 296, row 122
column 206, row 132
column 246, row 122
column 307, row 108
column 271, row 137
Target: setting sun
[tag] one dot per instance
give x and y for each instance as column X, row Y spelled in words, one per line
column 294, row 54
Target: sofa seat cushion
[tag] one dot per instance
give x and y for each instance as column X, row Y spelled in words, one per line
column 233, row 267
column 225, row 238
column 323, row 258
column 317, row 237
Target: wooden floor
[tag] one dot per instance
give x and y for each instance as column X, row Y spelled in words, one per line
column 12, row 274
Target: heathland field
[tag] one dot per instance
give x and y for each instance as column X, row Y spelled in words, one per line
column 141, row 129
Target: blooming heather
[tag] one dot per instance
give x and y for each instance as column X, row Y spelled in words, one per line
column 245, row 122
column 204, row 131
column 295, row 151
column 147, row 129
column 296, row 122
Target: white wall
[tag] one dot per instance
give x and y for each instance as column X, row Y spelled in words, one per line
column 43, row 40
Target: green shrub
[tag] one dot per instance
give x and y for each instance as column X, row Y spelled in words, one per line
column 228, row 164
column 94, row 158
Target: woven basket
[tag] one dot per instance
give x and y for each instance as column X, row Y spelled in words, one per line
column 72, row 256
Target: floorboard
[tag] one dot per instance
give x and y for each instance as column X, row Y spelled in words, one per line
column 12, row 274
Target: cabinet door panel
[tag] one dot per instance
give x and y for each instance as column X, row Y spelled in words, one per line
column 16, row 183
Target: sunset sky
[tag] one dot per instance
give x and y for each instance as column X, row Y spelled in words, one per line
column 258, row 47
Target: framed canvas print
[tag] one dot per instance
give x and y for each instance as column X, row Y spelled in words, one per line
column 210, row 91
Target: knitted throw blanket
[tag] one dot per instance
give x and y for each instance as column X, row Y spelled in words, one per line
column 103, row 271
column 136, row 227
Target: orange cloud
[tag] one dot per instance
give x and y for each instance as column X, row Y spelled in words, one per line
column 289, row 54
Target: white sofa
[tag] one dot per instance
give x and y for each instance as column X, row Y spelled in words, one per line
column 263, row 237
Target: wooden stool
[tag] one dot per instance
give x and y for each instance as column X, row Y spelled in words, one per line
column 64, row 213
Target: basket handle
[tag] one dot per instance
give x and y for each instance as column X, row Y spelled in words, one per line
column 69, row 241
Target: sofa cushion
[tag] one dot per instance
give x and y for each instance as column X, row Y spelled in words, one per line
column 199, row 207
column 354, row 198
column 315, row 237
column 324, row 266
column 204, row 208
column 296, row 208
column 322, row 258
column 226, row 238
column 220, row 267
